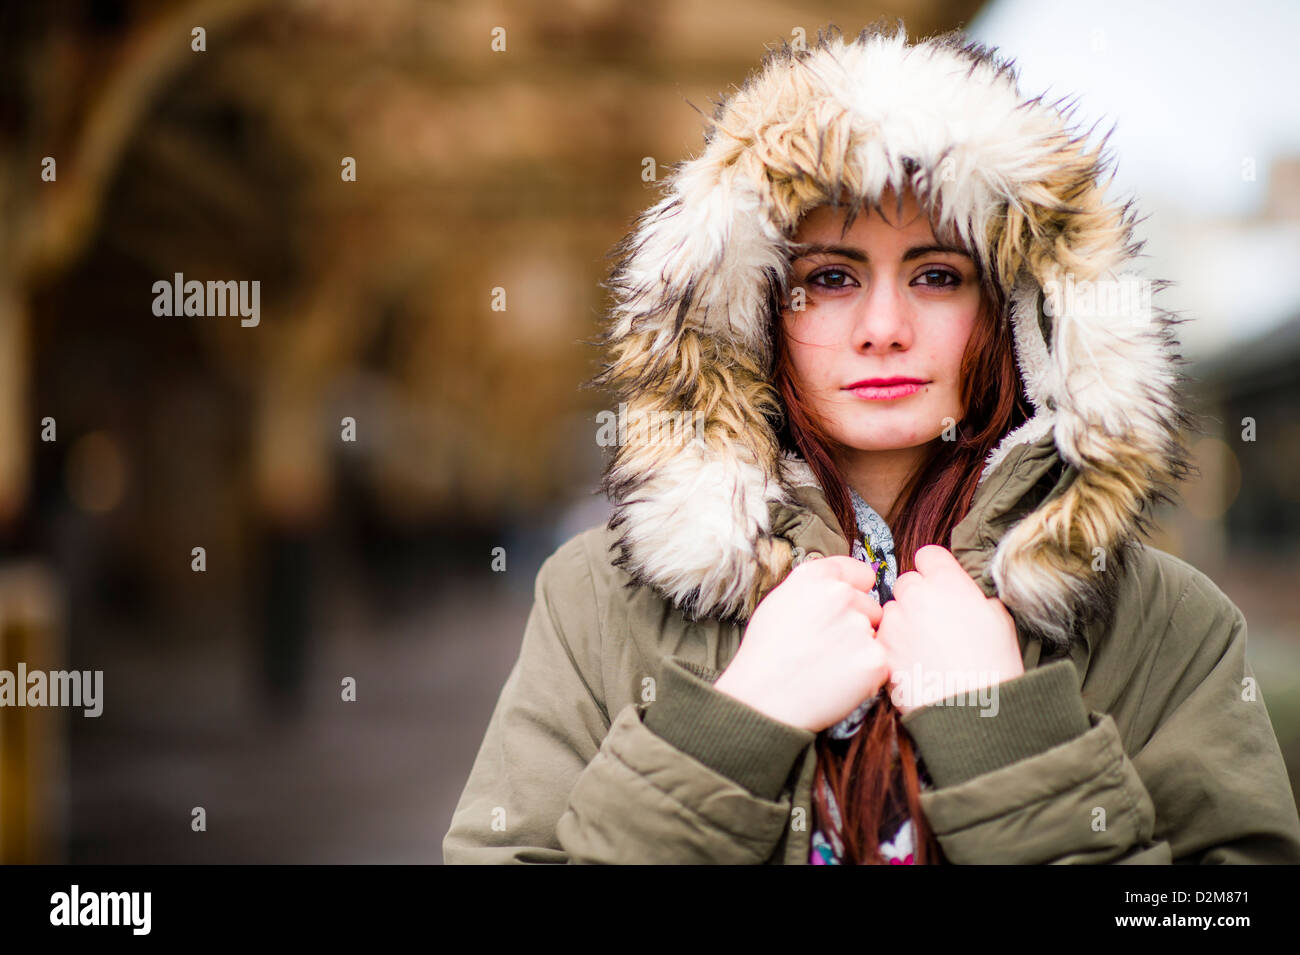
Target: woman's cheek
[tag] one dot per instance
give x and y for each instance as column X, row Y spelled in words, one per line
column 814, row 366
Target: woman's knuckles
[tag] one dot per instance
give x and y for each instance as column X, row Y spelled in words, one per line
column 839, row 595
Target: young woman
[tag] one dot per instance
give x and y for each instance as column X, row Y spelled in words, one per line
column 901, row 323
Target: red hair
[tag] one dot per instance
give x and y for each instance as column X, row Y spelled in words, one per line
column 867, row 785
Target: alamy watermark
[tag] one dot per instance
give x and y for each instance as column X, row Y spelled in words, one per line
column 1127, row 297
column 75, row 907
column 179, row 297
column 927, row 687
column 83, row 688
column 656, row 427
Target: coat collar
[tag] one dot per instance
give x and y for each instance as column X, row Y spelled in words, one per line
column 1030, row 475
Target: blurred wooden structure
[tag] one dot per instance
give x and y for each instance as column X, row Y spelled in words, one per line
column 33, row 740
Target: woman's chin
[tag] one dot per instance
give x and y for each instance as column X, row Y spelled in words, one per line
column 886, row 436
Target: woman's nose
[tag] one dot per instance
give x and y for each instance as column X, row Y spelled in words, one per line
column 884, row 318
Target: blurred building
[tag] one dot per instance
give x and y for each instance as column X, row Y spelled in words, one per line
column 1245, row 372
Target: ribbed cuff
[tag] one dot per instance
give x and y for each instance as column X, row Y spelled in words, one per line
column 1036, row 711
column 721, row 732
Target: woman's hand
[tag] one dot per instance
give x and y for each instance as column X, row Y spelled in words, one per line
column 809, row 656
column 942, row 636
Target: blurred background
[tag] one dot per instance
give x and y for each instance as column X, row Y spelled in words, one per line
column 127, row 440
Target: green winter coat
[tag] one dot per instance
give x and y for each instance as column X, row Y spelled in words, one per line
column 1143, row 745
column 1136, row 733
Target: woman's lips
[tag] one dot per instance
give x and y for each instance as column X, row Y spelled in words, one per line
column 885, row 392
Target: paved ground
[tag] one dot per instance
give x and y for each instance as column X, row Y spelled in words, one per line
column 369, row 781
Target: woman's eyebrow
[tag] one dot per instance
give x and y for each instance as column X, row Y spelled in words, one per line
column 817, row 248
column 857, row 255
column 917, row 251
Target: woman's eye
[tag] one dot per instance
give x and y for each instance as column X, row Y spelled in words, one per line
column 842, row 282
column 939, row 278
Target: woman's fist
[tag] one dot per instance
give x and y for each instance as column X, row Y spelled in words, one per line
column 942, row 635
column 809, row 655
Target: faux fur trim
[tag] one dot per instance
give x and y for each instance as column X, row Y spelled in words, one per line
column 698, row 281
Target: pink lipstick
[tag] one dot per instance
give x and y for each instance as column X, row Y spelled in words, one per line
column 886, row 389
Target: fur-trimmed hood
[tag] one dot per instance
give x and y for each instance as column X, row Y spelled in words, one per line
column 698, row 281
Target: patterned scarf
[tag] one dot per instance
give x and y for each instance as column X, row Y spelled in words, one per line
column 875, row 546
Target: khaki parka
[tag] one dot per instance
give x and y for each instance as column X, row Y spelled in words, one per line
column 1148, row 742
column 1137, row 733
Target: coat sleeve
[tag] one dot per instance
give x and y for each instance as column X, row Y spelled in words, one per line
column 556, row 781
column 1049, row 781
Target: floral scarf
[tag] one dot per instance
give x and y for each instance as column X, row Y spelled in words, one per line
column 875, row 546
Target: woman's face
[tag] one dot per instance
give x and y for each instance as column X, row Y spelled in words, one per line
column 886, row 301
